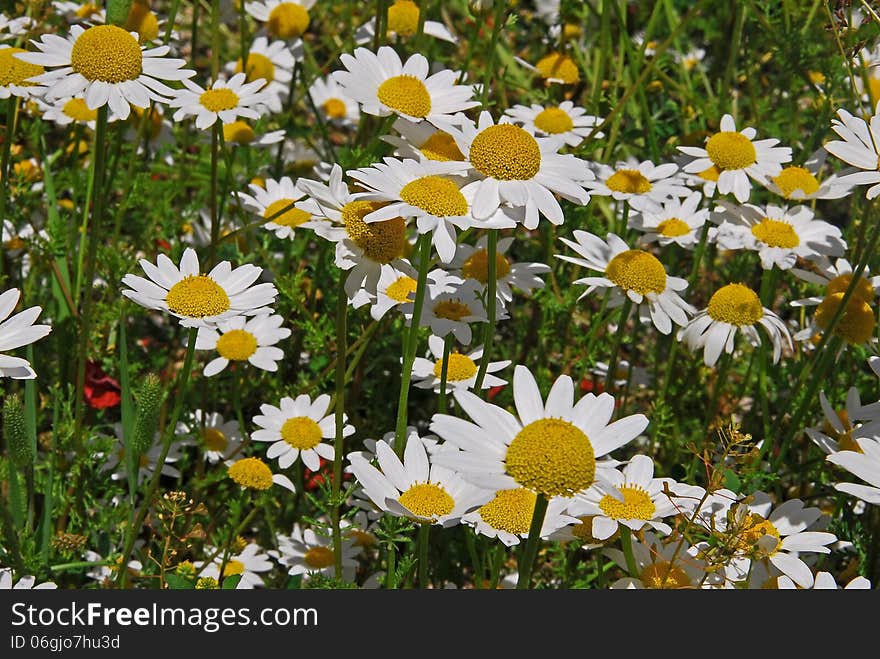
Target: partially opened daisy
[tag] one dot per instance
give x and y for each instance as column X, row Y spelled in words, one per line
column 643, row 185
column 284, row 19
column 333, row 103
column 240, row 339
column 737, row 157
column 297, row 428
column 247, row 563
column 549, row 449
column 16, row 75
column 461, row 373
column 565, row 121
column 508, row 516
column 281, row 203
column 108, row 65
column 864, row 464
column 403, row 21
column 631, row 273
column 273, row 62
column 18, row 331
column 225, row 100
column 660, row 565
column 307, row 553
column 472, row 262
column 676, row 221
column 254, row 474
column 200, row 300
column 146, row 462
column 860, row 147
column 219, row 440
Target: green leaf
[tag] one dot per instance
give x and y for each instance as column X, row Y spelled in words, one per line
column 117, row 11
column 731, row 480
column 231, row 582
column 176, row 582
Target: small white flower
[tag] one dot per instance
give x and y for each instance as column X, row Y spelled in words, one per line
column 248, row 563
column 676, row 221
column 643, row 185
column 15, row 332
column 240, row 339
column 225, row 100
column 461, row 372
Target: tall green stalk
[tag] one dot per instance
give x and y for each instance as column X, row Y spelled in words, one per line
column 527, row 565
column 339, row 446
column 491, row 306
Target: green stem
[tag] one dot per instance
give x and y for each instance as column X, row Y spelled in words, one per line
column 626, row 542
column 339, row 443
column 424, row 532
column 390, row 565
column 531, row 550
column 491, row 307
column 215, row 216
column 618, row 339
column 11, row 115
column 444, row 372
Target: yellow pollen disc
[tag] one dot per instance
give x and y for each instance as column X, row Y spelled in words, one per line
column 584, row 532
column 558, row 66
column 217, row 100
column 427, row 500
column 636, row 504
column 252, row 473
column 856, row 326
column 735, row 304
column 477, row 266
column 107, row 53
column 288, row 21
column 197, row 296
column 673, row 227
column 754, row 529
column 15, row 72
column 258, row 66
column 776, row 233
column 214, row 439
column 238, row 132
column 319, row 558
column 77, row 110
column 452, row 310
column 142, row 21
column 232, row 568
column 435, row 195
column 710, row 174
column 461, row 367
column 86, row 10
column 636, row 270
column 553, row 457
column 403, row 18
column 791, row 179
column 840, row 283
column 441, row 146
column 554, row 121
column 290, row 218
column 505, row 152
column 662, row 574
column 874, row 90
column 407, row 95
column 510, row 510
column 207, row 583
column 400, row 290
column 731, row 150
column 237, row 345
column 301, row 433
column 334, row 108
column 381, row 241
column 628, row 181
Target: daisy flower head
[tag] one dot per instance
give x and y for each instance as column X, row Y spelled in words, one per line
column 253, row 474
column 554, row 67
column 859, row 146
column 691, row 59
column 76, row 12
column 643, row 185
column 802, row 182
column 472, row 263
column 241, row 339
column 422, row 141
column 461, row 371
column 247, row 564
column 508, row 516
column 403, row 21
column 242, row 133
column 417, row 488
column 737, row 156
column 273, row 62
column 550, row 449
column 676, row 221
column 200, row 300
column 27, row 582
column 219, row 440
column 307, row 553
column 824, row 581
column 11, row 28
column 16, row 75
column 632, row 274
column 733, row 308
column 332, row 102
column 840, row 429
column 146, row 462
column 296, row 428
column 836, row 278
column 284, row 19
column 65, row 111
column 397, row 285
column 384, row 85
column 454, row 311
column 565, row 121
column 108, row 65
column 281, row 203
column 864, row 464
column 660, row 565
column 225, row 100
column 15, row 332
column 855, row 326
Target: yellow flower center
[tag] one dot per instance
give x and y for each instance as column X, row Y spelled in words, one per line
column 107, row 53
column 207, row 583
column 407, row 95
column 232, row 568
column 301, row 433
column 381, row 241
column 237, row 345
column 840, row 283
column 662, row 574
column 400, row 289
column 289, row 218
column 319, row 558
column 86, row 10
column 143, row 21
column 214, row 439
column 637, row 270
column 77, row 110
column 628, row 181
column 461, row 367
column 584, row 532
column 559, row 67
column 636, row 504
column 554, row 121
column 710, row 174
column 731, row 150
column 361, row 538
column 217, row 100
column 505, row 152
column 403, row 18
column 553, row 457
column 855, row 326
column 252, row 473
column 436, row 195
column 288, row 21
column 776, row 233
column 735, row 304
column 15, row 243
column 477, row 266
column 334, row 108
column 673, row 227
column 197, row 296
column 510, row 510
column 452, row 310
column 427, row 500
column 754, row 530
column 845, row 438
column 441, row 146
column 793, row 178
column 238, row 132
column 15, row 72
column 258, row 66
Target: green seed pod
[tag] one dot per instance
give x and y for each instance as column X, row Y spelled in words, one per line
column 149, row 402
column 21, row 452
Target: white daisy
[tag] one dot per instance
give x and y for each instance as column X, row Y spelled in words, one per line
column 565, row 121
column 16, row 75
column 691, row 59
column 508, row 516
column 240, row 132
column 219, row 440
column 248, row 563
column 27, row 582
column 254, row 474
column 273, row 62
column 840, row 429
column 643, row 185
column 403, row 21
column 147, row 462
column 856, row 324
column 76, row 11
column 240, row 339
column 453, row 311
column 824, row 581
column 472, row 262
column 306, row 553
column 676, row 221
column 284, row 19
column 737, row 158
column 423, row 141
column 65, row 111
column 332, row 102
column 106, row 574
column 14, row 27
column 660, row 565
column 200, row 300
column 800, row 183
column 859, row 147
column 226, row 100
column 864, row 464
column 18, row 331
column 836, row 278
column 282, row 205
column 461, row 372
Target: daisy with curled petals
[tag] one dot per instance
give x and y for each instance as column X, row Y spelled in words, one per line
column 281, row 204
column 733, row 308
column 780, row 235
column 508, row 516
column 297, row 428
column 384, row 85
column 514, row 167
column 226, row 100
column 417, row 488
column 332, row 102
column 737, row 158
column 15, row 332
column 240, row 339
column 306, row 553
column 660, row 565
column 219, row 440
column 472, row 262
column 248, row 564
column 643, row 185
column 824, row 581
column 549, row 449
column 403, row 21
column 254, row 474
column 27, row 582
column 865, row 464
column 284, row 19
column 860, row 147
column 273, row 62
column 461, row 373
column 632, row 274
column 422, row 141
column 676, row 221
column 16, row 75
column 108, row 66
column 200, row 300
column 565, row 121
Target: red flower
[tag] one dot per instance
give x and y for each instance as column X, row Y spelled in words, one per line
column 494, row 391
column 314, row 479
column 100, row 390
